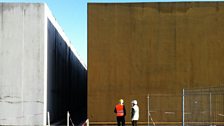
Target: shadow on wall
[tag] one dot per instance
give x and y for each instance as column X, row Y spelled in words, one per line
column 67, row 81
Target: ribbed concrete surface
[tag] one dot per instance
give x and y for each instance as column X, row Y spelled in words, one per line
column 156, row 48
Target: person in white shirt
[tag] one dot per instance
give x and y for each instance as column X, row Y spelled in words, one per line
column 134, row 113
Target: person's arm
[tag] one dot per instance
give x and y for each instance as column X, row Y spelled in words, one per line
column 132, row 112
column 115, row 110
column 124, row 111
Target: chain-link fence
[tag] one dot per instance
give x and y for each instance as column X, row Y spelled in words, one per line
column 164, row 109
column 203, row 107
column 192, row 107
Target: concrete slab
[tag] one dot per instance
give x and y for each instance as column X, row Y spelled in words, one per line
column 25, row 57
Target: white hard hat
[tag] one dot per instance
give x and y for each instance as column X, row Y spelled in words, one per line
column 134, row 102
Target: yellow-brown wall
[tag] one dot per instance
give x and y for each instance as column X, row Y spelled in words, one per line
column 156, row 48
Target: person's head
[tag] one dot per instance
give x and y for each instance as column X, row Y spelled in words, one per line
column 134, row 102
column 121, row 101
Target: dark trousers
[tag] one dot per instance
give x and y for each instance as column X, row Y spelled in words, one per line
column 134, row 122
column 120, row 120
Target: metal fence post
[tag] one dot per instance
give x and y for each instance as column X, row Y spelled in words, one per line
column 68, row 118
column 183, row 108
column 48, row 119
column 210, row 108
column 148, row 108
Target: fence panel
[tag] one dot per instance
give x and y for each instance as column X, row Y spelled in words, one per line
column 204, row 107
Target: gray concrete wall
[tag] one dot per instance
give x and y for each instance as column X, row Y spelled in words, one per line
column 39, row 69
column 21, row 63
column 67, row 84
column 78, row 89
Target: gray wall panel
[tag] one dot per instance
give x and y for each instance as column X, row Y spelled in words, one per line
column 67, row 85
column 25, row 36
column 21, row 63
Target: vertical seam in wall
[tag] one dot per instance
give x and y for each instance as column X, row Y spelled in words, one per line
column 175, row 41
column 45, row 46
column 1, row 48
column 2, row 17
column 22, row 68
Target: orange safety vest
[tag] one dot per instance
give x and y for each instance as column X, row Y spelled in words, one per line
column 120, row 110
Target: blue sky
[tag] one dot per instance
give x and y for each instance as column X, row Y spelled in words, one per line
column 72, row 17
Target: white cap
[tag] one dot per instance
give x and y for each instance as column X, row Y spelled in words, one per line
column 134, row 102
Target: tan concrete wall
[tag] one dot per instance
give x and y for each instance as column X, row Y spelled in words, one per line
column 155, row 48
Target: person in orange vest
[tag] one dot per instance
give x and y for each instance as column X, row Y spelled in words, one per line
column 120, row 112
